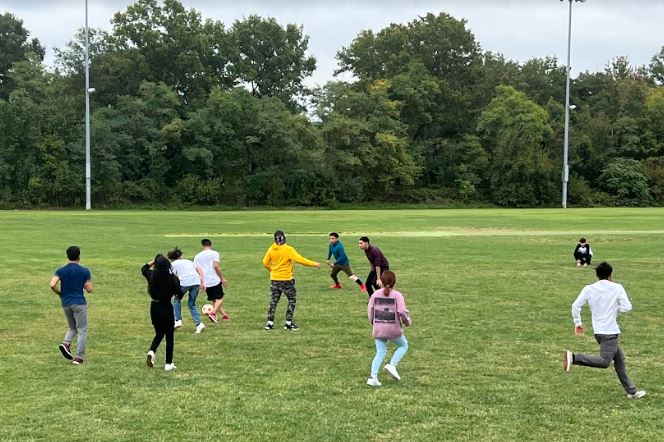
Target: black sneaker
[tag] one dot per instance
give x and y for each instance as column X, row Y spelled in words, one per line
column 66, row 351
column 292, row 326
column 269, row 325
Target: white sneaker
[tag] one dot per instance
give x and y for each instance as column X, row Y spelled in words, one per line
column 169, row 367
column 374, row 382
column 568, row 357
column 177, row 324
column 199, row 328
column 150, row 359
column 638, row 395
column 392, row 370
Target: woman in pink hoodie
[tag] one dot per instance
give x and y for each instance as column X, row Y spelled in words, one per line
column 387, row 312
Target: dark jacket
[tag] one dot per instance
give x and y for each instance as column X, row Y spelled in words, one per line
column 162, row 292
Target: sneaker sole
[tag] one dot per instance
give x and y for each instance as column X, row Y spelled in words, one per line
column 567, row 363
column 67, row 355
column 150, row 362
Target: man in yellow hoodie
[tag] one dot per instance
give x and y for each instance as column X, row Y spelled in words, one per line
column 279, row 260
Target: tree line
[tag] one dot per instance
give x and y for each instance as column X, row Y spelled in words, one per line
column 189, row 111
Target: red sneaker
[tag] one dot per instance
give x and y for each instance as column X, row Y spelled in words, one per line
column 335, row 286
column 363, row 288
column 213, row 317
column 226, row 318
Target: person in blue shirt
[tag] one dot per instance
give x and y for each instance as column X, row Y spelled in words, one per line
column 341, row 263
column 72, row 279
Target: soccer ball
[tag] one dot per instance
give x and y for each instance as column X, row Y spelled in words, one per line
column 207, row 309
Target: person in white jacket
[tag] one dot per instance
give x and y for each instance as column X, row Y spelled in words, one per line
column 605, row 298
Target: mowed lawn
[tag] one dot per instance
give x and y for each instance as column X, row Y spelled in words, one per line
column 489, row 292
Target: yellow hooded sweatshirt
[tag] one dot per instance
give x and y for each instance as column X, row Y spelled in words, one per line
column 279, row 261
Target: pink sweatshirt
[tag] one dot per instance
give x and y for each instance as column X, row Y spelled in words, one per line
column 387, row 313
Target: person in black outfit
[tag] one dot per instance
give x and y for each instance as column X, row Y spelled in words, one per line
column 162, row 286
column 583, row 254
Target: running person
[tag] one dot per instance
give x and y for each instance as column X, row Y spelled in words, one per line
column 387, row 313
column 73, row 279
column 163, row 285
column 191, row 281
column 341, row 263
column 605, row 298
column 209, row 261
column 278, row 260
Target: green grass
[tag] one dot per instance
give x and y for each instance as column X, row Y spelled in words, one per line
column 489, row 291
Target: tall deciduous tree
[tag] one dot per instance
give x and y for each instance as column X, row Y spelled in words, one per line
column 14, row 46
column 272, row 60
column 513, row 130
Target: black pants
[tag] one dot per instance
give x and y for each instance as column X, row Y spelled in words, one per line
column 584, row 258
column 609, row 350
column 372, row 282
column 163, row 320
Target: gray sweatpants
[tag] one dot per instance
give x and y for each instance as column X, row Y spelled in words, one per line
column 609, row 350
column 77, row 320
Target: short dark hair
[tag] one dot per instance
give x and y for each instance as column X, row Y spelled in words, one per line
column 73, row 253
column 364, row 238
column 603, row 270
column 206, row 243
column 335, row 234
column 582, row 240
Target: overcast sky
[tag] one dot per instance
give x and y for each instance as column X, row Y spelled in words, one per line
column 519, row 29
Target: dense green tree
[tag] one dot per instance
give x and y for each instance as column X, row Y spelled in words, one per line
column 366, row 142
column 14, row 47
column 513, row 129
column 624, row 179
column 272, row 60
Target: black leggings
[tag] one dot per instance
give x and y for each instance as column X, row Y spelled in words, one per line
column 163, row 320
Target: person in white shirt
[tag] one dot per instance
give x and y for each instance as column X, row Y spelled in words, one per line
column 191, row 281
column 605, row 298
column 209, row 261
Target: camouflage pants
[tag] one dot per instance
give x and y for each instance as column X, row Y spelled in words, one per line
column 276, row 289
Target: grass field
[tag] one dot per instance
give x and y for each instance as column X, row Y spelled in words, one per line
column 489, row 292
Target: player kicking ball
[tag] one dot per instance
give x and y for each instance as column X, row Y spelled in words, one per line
column 341, row 263
column 605, row 298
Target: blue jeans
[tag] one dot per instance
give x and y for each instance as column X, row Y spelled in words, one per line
column 193, row 293
column 381, row 351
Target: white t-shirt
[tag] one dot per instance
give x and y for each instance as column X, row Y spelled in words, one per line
column 205, row 260
column 186, row 272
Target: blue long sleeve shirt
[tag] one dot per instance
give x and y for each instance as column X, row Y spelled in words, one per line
column 340, row 257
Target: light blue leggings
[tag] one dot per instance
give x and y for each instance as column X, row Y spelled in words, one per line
column 381, row 351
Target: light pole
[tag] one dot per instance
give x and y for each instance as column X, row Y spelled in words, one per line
column 566, row 139
column 88, row 190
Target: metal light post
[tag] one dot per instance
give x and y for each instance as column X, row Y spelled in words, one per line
column 88, row 191
column 566, row 140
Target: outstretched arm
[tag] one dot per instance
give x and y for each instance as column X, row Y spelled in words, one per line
column 302, row 260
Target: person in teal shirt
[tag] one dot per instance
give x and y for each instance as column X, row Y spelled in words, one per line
column 341, row 263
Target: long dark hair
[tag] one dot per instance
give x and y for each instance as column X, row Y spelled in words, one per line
column 389, row 280
column 160, row 278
